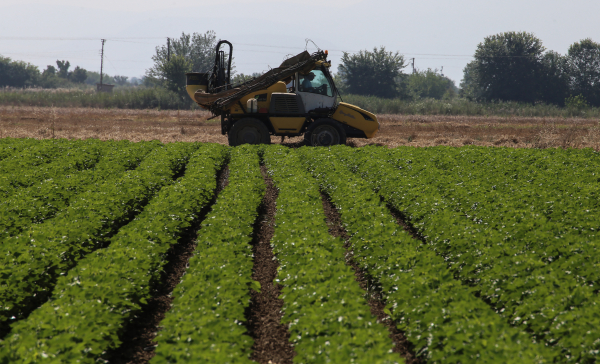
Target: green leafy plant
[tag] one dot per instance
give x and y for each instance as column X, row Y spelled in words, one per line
column 216, row 287
column 32, row 261
column 327, row 313
column 439, row 315
column 132, row 262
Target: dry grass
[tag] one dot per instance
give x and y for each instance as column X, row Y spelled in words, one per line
column 396, row 130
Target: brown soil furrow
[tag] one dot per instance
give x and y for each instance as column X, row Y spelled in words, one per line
column 271, row 337
column 138, row 336
column 395, row 130
column 374, row 298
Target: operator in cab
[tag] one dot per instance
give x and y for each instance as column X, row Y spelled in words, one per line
column 306, row 84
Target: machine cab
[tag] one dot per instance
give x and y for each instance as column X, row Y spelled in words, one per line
column 316, row 89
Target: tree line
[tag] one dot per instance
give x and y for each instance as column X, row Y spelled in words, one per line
column 510, row 66
column 515, row 66
column 20, row 74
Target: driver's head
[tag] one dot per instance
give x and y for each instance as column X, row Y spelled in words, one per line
column 310, row 76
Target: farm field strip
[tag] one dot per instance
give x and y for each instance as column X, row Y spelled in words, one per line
column 43, row 200
column 87, row 224
column 501, row 265
column 82, row 155
column 542, row 255
column 529, row 290
column 28, row 161
column 328, row 317
column 206, row 321
column 10, row 146
column 109, row 286
column 439, row 315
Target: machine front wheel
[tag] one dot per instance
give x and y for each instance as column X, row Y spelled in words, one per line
column 249, row 131
column 325, row 133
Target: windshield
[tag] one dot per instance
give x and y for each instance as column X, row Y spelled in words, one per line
column 315, row 82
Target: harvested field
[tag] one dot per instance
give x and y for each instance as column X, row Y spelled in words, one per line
column 396, row 130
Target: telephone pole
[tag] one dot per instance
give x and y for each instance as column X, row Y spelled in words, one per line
column 413, row 65
column 168, row 49
column 102, row 61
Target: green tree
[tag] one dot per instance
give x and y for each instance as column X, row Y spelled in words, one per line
column 554, row 82
column 174, row 72
column 372, row 73
column 18, row 73
column 429, row 84
column 509, row 66
column 121, row 80
column 469, row 86
column 63, row 68
column 190, row 53
column 584, row 68
column 78, row 75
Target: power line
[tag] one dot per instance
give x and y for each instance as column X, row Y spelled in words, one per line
column 128, row 40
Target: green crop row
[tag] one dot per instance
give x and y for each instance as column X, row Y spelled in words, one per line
column 27, row 161
column 109, row 286
column 328, row 316
column 31, row 262
column 79, row 155
column 43, row 200
column 206, row 321
column 440, row 316
column 10, row 146
column 515, row 256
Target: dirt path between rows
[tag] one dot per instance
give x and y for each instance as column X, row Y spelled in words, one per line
column 271, row 337
column 401, row 344
column 138, row 336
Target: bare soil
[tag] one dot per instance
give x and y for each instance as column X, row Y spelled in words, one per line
column 374, row 298
column 271, row 337
column 138, row 337
column 395, row 130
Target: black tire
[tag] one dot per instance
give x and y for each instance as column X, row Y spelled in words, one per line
column 249, row 131
column 325, row 133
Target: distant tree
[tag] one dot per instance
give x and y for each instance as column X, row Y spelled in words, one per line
column 469, row 86
column 241, row 78
column 554, row 80
column 50, row 70
column 584, row 68
column 190, row 53
column 174, row 72
column 18, row 73
column 121, row 80
column 94, row 77
column 429, row 84
column 509, row 66
column 372, row 73
column 78, row 75
column 63, row 68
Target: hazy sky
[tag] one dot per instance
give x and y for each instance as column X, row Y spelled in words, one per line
column 436, row 33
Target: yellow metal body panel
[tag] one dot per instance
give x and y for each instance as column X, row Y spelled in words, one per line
column 191, row 89
column 287, row 124
column 353, row 116
column 278, row 87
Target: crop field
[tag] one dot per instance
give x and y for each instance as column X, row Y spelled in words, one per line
column 189, row 252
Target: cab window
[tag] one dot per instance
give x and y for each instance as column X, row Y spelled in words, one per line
column 315, row 82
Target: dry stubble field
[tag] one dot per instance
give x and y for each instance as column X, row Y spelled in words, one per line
column 396, row 130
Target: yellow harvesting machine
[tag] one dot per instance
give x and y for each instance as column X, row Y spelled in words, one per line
column 297, row 98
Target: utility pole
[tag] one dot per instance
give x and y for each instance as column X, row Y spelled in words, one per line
column 442, row 71
column 102, row 61
column 413, row 65
column 168, row 49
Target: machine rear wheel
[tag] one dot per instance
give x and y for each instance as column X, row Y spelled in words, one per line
column 249, row 131
column 324, row 133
